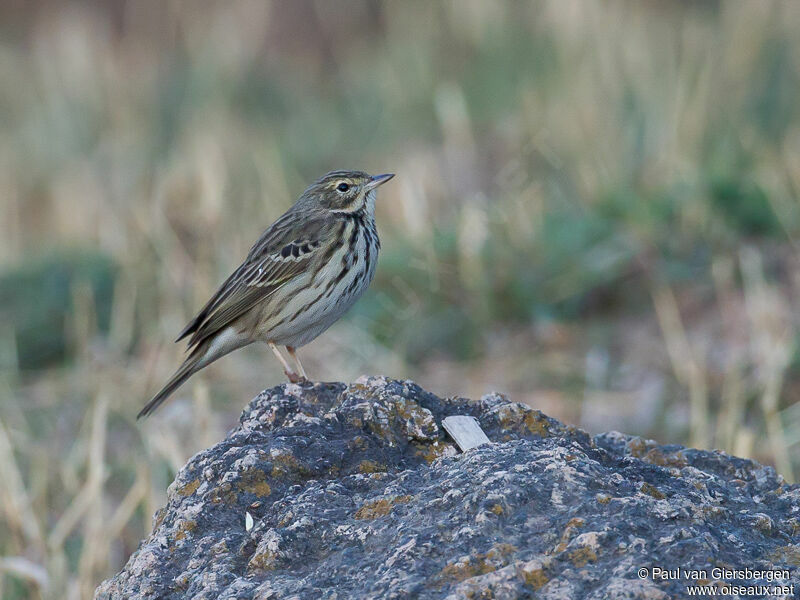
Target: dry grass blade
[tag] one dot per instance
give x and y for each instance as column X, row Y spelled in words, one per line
column 94, row 556
column 16, row 502
column 126, row 509
column 88, row 497
column 731, row 417
column 772, row 338
column 687, row 365
column 25, row 569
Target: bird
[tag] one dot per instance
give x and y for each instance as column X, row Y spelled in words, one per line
column 301, row 275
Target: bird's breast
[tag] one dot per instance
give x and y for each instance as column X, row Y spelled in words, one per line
column 312, row 303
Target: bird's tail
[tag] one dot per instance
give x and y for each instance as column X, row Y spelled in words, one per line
column 189, row 367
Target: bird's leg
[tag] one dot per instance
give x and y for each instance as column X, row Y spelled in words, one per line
column 293, row 354
column 293, row 377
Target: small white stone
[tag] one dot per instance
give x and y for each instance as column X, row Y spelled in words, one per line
column 466, row 431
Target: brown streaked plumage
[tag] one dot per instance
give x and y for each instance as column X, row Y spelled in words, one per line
column 304, row 272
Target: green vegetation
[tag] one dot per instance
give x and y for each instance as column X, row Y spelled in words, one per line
column 38, row 297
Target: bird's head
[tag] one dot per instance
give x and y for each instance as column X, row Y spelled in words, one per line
column 345, row 191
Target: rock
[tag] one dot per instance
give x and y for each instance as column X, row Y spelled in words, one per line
column 357, row 492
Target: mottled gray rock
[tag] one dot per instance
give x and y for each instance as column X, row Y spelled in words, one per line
column 356, row 492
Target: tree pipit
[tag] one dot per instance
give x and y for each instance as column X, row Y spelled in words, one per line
column 304, row 272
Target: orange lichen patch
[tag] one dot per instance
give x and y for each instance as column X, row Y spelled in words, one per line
column 284, row 464
column 479, row 564
column 162, row 512
column 407, row 409
column 535, row 572
column 223, row 494
column 637, row 447
column 399, row 411
column 497, row 509
column 569, row 530
column 430, row 452
column 535, row 578
column 581, row 556
column 183, row 528
column 263, row 561
column 651, row 490
column 359, row 387
column 464, row 569
column 536, row 422
column 254, row 481
column 501, row 549
column 656, row 456
column 373, row 510
column 380, row 508
column 786, row 554
column 358, row 443
column 370, row 466
column 189, row 488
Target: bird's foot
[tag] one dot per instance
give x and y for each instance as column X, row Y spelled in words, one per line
column 294, row 377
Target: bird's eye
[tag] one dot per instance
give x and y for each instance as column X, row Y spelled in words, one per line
column 343, row 187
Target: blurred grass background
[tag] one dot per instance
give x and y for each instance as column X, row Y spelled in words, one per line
column 596, row 212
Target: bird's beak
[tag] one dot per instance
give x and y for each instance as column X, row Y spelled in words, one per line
column 377, row 180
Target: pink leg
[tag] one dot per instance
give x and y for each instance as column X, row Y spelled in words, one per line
column 293, row 354
column 293, row 377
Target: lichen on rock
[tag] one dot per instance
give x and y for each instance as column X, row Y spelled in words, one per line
column 355, row 491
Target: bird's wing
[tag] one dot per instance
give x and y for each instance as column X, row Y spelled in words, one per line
column 282, row 252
